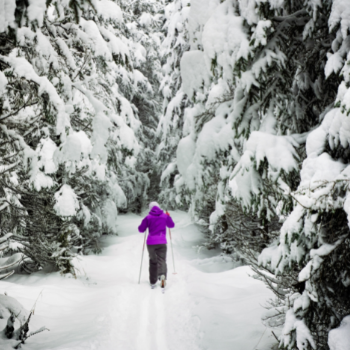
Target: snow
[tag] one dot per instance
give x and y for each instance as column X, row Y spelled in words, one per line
column 200, row 12
column 207, row 305
column 66, row 53
column 42, row 181
column 216, row 92
column 303, row 302
column 334, row 63
column 194, row 72
column 130, row 161
column 46, row 152
column 10, row 262
column 339, row 338
column 109, row 215
column 109, row 10
column 259, row 35
column 224, row 38
column 248, row 10
column 185, row 152
column 215, row 136
column 117, row 193
column 10, row 305
column 315, row 143
column 3, row 83
column 7, row 14
column 303, row 334
column 313, row 265
column 36, row 11
column 146, row 19
column 115, row 44
column 316, row 260
column 245, row 184
column 318, row 169
column 66, row 201
column 100, row 124
column 170, row 169
column 94, row 39
column 75, row 145
column 24, row 69
column 278, row 150
column 340, row 14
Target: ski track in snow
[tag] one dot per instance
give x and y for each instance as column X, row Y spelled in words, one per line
column 207, row 305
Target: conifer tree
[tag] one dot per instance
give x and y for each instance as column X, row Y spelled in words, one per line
column 170, row 127
column 263, row 78
column 70, row 132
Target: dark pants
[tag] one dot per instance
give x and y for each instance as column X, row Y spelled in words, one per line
column 157, row 261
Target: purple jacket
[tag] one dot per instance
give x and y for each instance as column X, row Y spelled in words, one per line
column 156, row 222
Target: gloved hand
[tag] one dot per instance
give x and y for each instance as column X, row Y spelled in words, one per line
column 167, row 213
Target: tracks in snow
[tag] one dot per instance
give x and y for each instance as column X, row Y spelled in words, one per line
column 140, row 321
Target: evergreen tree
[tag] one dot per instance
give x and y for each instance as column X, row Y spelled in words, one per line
column 143, row 28
column 174, row 102
column 71, row 135
column 261, row 76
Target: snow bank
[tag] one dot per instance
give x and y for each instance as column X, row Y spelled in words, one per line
column 229, row 305
column 339, row 338
column 8, row 306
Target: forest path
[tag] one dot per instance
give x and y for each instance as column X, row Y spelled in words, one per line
column 207, row 305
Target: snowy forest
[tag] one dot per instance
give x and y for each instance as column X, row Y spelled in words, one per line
column 235, row 111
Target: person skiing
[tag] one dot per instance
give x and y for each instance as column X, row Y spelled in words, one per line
column 156, row 222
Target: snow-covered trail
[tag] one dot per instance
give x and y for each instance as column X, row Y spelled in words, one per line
column 207, row 305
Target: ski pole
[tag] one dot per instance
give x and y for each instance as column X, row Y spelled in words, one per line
column 172, row 251
column 143, row 249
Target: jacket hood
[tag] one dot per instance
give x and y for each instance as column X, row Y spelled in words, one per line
column 156, row 211
column 153, row 204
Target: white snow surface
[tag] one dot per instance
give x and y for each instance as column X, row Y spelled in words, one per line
column 339, row 338
column 207, row 304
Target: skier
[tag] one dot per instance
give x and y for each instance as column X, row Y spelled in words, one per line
column 157, row 221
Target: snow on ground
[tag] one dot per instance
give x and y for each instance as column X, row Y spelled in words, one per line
column 207, row 304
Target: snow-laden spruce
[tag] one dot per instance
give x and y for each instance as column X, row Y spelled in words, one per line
column 71, row 87
column 264, row 143
column 170, row 126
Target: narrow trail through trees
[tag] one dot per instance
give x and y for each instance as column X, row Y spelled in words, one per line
column 207, row 305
